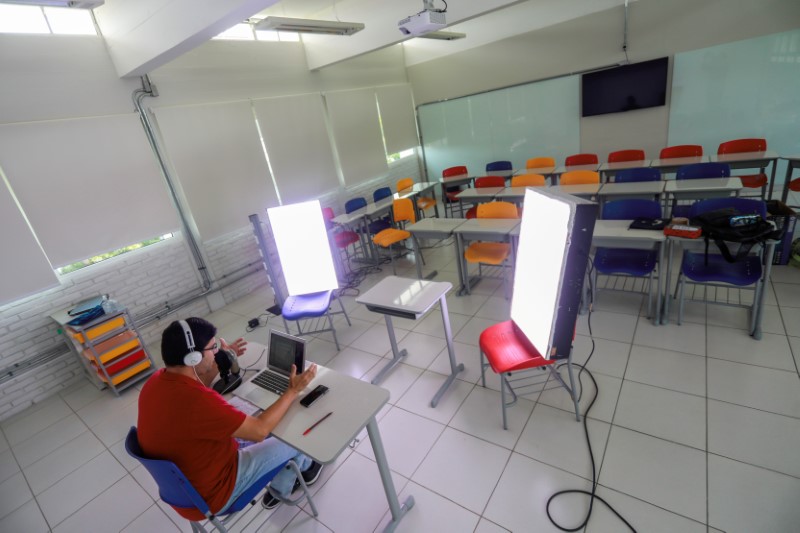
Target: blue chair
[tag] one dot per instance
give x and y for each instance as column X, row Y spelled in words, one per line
column 499, row 166
column 375, row 226
column 175, row 490
column 315, row 306
column 626, row 261
column 630, row 175
column 717, row 272
column 380, row 194
column 698, row 171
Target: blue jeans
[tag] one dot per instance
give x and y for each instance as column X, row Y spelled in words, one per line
column 258, row 459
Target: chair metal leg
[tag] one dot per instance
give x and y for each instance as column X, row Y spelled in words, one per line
column 681, row 283
column 333, row 329
column 503, row 399
column 650, row 296
column 197, row 527
column 344, row 312
column 483, row 369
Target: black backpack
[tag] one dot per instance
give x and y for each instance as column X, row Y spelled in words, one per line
column 731, row 225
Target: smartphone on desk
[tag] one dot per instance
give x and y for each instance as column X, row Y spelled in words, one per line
column 312, row 396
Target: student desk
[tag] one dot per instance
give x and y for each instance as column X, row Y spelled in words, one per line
column 792, row 162
column 477, row 195
column 609, row 169
column 547, row 172
column 751, row 160
column 560, row 170
column 357, row 221
column 588, row 190
column 354, row 404
column 420, row 189
column 672, row 164
column 635, row 189
column 512, row 194
column 412, row 299
column 483, row 229
column 433, row 228
column 701, row 189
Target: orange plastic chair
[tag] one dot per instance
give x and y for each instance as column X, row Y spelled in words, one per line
column 738, row 146
column 579, row 177
column 581, row 159
column 423, row 202
column 492, row 253
column 682, row 150
column 450, row 194
column 528, row 180
column 539, row 162
column 402, row 212
column 621, row 156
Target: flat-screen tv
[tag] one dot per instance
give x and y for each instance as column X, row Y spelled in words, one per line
column 625, row 88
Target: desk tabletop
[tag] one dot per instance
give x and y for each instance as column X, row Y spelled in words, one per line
column 483, row 192
column 791, row 157
column 678, row 161
column 436, row 225
column 456, row 180
column 592, row 167
column 607, row 167
column 512, row 192
column 588, row 189
column 618, row 229
column 634, row 187
column 703, row 184
column 745, row 157
column 349, row 218
column 544, row 171
column 489, row 226
column 423, row 186
column 405, row 294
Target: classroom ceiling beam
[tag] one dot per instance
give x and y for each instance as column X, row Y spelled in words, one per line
column 143, row 35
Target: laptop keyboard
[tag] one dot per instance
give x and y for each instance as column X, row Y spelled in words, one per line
column 272, row 382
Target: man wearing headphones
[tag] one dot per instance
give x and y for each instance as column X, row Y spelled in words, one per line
column 184, row 421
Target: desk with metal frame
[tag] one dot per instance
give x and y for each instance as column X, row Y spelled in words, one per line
column 357, row 220
column 515, row 195
column 477, row 195
column 421, row 188
column 672, row 164
column 586, row 190
column 432, row 228
column 792, row 162
column 634, row 189
column 354, row 404
column 484, row 229
column 547, row 172
column 455, row 181
column 412, row 299
column 701, row 189
column 749, row 160
column 609, row 169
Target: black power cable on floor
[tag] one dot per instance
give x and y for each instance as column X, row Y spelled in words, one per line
column 593, row 493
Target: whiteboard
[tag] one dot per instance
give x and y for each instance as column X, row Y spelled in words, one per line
column 540, row 119
column 743, row 89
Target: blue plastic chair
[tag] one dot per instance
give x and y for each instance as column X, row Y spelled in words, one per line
column 717, row 272
column 499, row 166
column 630, row 175
column 315, row 305
column 176, row 491
column 628, row 261
column 374, row 227
column 380, row 194
column 698, row 171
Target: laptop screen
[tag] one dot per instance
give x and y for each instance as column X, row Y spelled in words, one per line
column 285, row 351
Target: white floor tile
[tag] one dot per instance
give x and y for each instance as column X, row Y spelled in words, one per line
column 375, row 339
column 431, row 512
column 304, row 523
column 319, row 351
column 628, row 303
column 518, row 502
column 641, row 515
column 83, row 393
column 663, row 473
column 788, row 294
column 49, row 440
column 662, row 413
column 744, row 498
column 485, row 526
column 471, row 332
column 607, row 325
column 27, row 518
column 670, row 370
column 785, row 274
column 431, row 324
column 736, row 345
column 45, row 472
column 686, row 338
column 25, row 427
column 467, row 304
column 554, row 437
column 465, row 354
column 107, row 405
column 347, row 335
column 609, row 357
column 791, row 320
column 153, row 519
column 14, row 492
column 80, row 487
column 770, row 390
column 8, row 465
column 407, row 439
column 603, row 408
column 481, row 416
column 417, row 398
column 756, row 437
column 397, row 381
column 496, row 308
column 114, row 428
column 104, row 513
column 422, row 349
column 354, row 362
column 738, row 317
column 463, row 469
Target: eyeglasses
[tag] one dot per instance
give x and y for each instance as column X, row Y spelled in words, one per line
column 213, row 348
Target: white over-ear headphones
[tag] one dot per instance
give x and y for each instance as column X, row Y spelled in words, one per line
column 193, row 358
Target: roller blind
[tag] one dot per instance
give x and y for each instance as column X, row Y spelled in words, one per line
column 397, row 118
column 28, row 271
column 218, row 158
column 298, row 146
column 87, row 186
column 357, row 134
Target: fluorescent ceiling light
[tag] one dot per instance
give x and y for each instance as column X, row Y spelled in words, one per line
column 325, row 27
column 443, row 35
column 80, row 4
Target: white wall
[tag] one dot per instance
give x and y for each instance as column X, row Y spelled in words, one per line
column 656, row 28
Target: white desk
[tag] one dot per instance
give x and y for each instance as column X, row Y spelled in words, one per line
column 422, row 188
column 792, row 162
column 357, row 221
column 587, row 190
column 747, row 160
column 701, row 189
column 412, row 299
column 607, row 169
column 432, row 228
column 512, row 194
column 485, row 229
column 547, row 172
column 556, row 175
column 354, row 404
column 672, row 164
column 476, row 195
column 634, row 189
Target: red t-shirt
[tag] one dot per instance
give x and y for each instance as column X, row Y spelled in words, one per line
column 185, row 422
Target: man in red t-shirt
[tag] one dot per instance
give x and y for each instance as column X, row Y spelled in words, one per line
column 183, row 420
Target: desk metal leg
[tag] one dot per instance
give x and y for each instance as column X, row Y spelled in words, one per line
column 459, row 258
column 661, row 247
column 454, row 368
column 397, row 355
column 772, row 179
column 398, row 511
column 417, row 262
column 759, row 310
column 790, row 166
column 667, row 292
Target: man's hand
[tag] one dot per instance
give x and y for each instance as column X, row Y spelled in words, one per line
column 239, row 346
column 298, row 382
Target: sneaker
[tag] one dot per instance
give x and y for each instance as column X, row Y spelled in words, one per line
column 311, row 474
column 269, row 501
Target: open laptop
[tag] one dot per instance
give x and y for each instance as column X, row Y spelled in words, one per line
column 266, row 386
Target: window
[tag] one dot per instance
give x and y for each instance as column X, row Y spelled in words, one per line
column 36, row 19
column 391, row 158
column 102, row 257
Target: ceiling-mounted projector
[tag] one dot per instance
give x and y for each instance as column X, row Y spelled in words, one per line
column 427, row 20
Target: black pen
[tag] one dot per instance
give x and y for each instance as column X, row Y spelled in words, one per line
column 315, row 424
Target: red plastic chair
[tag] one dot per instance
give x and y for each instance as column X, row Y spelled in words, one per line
column 507, row 351
column 682, row 150
column 450, row 194
column 342, row 238
column 480, row 183
column 621, row 156
column 738, row 146
column 581, row 159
